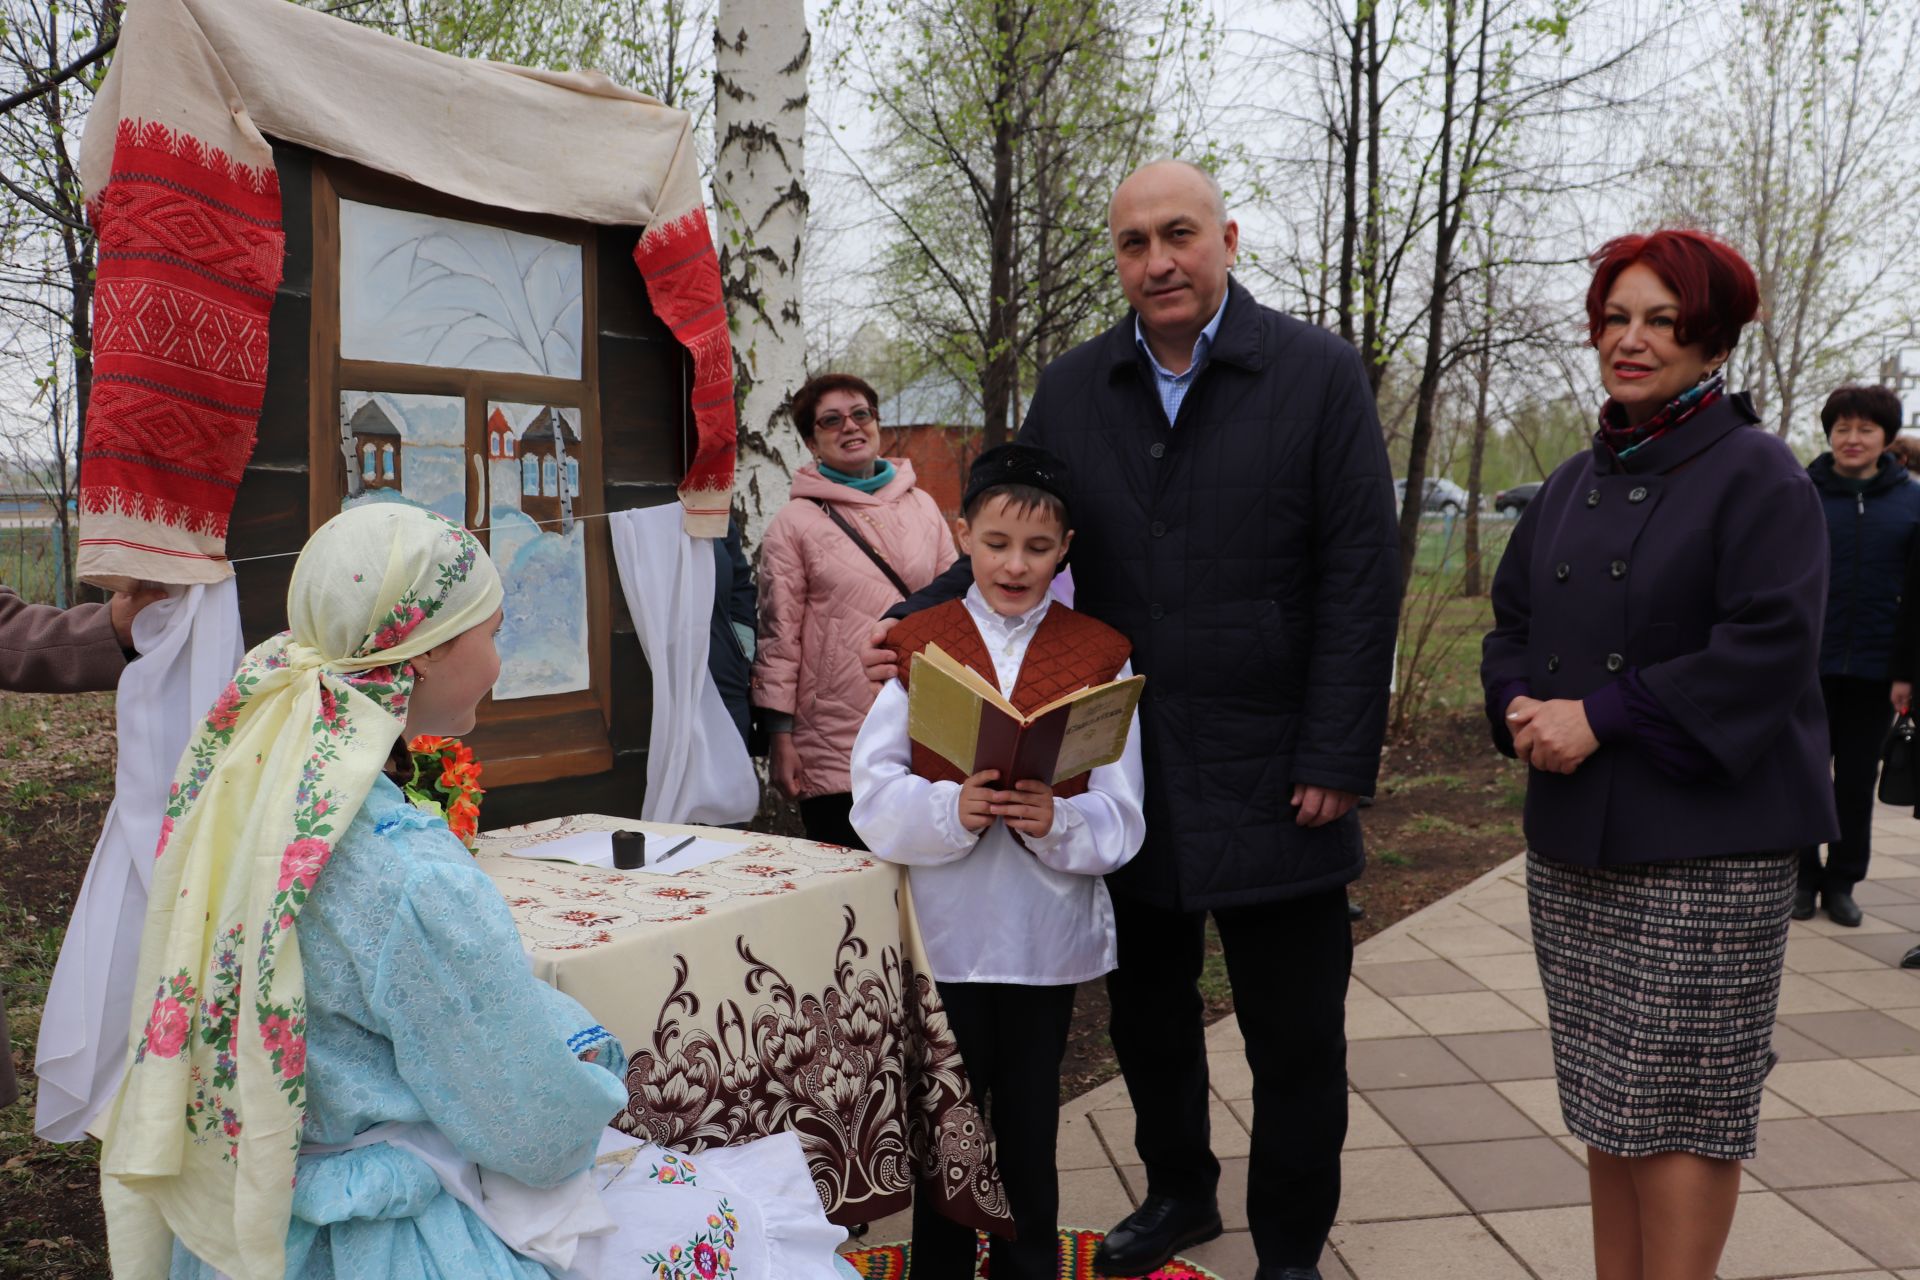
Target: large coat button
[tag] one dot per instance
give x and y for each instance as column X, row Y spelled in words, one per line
column 1563, row 571
column 1618, row 569
column 1157, row 612
column 1639, row 494
column 1158, row 450
column 1593, row 497
column 1615, row 662
column 1157, row 529
column 1553, row 663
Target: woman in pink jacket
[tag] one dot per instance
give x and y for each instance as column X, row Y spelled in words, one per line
column 854, row 540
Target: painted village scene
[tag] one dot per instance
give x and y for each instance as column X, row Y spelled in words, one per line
column 416, row 289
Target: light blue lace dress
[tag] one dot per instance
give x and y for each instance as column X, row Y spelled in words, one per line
column 421, row 1007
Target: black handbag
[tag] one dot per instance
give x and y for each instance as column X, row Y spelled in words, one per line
column 1897, row 761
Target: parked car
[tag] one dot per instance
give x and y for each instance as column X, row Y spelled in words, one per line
column 1516, row 498
column 1443, row 495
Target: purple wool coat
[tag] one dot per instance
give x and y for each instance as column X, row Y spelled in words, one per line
column 1699, row 562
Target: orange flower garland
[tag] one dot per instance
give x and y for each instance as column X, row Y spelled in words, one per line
column 455, row 793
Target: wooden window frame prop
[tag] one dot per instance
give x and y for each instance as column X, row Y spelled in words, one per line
column 521, row 740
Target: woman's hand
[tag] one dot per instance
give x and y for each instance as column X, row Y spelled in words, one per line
column 1553, row 737
column 1519, row 711
column 977, row 798
column 1901, row 696
column 1028, row 808
column 783, row 762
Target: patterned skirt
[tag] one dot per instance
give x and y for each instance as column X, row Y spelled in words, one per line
column 1661, row 983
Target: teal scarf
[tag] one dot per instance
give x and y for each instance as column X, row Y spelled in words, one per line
column 882, row 475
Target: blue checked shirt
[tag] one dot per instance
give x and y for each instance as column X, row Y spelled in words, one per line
column 1173, row 387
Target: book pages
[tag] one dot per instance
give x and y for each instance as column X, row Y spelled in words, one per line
column 943, row 711
column 1097, row 727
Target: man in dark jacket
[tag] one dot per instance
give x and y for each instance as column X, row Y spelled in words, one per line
column 731, row 634
column 1872, row 508
column 1234, row 514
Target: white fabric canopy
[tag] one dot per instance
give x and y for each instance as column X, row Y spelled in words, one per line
column 698, row 770
column 189, row 647
column 571, row 144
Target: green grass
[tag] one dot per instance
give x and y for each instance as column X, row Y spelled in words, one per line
column 32, row 791
column 1444, row 781
column 1428, row 824
column 35, row 1175
column 28, row 565
column 1443, row 550
column 1393, row 857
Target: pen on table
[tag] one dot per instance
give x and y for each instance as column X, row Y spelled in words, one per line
column 677, row 848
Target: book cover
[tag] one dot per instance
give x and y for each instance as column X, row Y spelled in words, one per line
column 955, row 712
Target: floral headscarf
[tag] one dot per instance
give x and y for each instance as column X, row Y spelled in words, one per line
column 202, row 1137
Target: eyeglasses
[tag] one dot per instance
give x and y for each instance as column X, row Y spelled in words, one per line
column 832, row 421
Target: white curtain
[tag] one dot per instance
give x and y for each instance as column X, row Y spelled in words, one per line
column 189, row 647
column 698, row 770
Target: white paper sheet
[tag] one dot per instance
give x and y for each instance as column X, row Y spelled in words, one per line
column 663, row 859
column 588, row 848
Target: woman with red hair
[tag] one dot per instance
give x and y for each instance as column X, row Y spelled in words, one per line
column 1654, row 661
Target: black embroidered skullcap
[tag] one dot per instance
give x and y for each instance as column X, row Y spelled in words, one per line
column 1020, row 464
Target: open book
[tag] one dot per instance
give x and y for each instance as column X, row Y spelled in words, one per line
column 956, row 713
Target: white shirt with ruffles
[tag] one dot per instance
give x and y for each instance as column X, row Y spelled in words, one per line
column 991, row 910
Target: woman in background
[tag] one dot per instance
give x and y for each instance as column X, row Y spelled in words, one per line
column 855, row 539
column 1872, row 510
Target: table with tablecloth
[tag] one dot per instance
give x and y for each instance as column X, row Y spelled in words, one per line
column 779, row 988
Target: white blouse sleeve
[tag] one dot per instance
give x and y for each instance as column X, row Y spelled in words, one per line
column 902, row 816
column 1100, row 831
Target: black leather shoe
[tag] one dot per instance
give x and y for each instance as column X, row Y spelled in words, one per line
column 1803, row 904
column 1911, row 960
column 1291, row 1273
column 1146, row 1239
column 1841, row 908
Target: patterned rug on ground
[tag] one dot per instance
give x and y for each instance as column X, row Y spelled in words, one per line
column 893, row 1261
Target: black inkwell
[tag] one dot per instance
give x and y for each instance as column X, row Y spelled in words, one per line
column 629, row 850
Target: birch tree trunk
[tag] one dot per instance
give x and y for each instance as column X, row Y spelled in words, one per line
column 761, row 51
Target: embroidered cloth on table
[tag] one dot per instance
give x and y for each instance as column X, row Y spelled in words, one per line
column 781, row 989
column 185, row 200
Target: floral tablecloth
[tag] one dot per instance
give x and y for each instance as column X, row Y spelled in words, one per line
column 776, row 989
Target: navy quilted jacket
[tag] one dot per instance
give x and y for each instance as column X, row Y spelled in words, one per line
column 1249, row 553
column 1870, row 535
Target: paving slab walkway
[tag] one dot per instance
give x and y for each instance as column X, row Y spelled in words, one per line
column 1457, row 1162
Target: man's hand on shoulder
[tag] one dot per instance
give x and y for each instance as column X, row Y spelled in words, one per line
column 881, row 662
column 1320, row 805
column 126, row 606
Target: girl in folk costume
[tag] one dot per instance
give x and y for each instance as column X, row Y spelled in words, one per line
column 343, row 1065
column 1007, row 878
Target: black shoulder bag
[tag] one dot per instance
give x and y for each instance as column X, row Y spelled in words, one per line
column 1897, row 763
column 846, row 527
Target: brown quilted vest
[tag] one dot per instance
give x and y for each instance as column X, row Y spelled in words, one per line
column 1070, row 651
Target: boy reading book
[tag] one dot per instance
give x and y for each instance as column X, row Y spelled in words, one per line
column 1006, row 874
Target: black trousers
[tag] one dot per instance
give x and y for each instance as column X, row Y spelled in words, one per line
column 1288, row 963
column 1858, row 717
column 1011, row 1039
column 826, row 819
